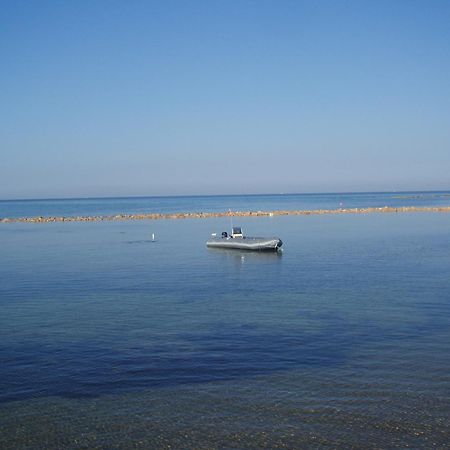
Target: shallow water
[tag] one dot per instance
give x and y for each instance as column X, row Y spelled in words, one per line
column 110, row 340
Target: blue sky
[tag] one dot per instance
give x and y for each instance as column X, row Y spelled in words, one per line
column 106, row 98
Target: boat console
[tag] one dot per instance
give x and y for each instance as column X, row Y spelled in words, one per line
column 236, row 232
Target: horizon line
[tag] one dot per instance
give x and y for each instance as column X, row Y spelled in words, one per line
column 222, row 195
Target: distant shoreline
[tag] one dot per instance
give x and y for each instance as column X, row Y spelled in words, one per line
column 207, row 215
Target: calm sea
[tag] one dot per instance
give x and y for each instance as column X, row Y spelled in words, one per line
column 110, row 340
column 217, row 203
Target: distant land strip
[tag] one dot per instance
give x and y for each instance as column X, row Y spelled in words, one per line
column 206, row 215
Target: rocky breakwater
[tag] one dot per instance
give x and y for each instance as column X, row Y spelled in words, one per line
column 205, row 215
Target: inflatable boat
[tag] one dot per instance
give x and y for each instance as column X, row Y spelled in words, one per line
column 238, row 241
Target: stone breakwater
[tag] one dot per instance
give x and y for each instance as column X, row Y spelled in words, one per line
column 206, row 215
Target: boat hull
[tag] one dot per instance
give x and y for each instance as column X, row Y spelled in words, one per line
column 246, row 243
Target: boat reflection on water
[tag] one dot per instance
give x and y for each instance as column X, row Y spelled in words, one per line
column 240, row 257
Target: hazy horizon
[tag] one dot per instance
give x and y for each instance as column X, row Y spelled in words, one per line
column 416, row 191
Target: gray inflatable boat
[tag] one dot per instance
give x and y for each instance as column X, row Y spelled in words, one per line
column 238, row 241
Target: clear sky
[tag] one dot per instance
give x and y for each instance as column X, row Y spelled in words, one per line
column 106, row 98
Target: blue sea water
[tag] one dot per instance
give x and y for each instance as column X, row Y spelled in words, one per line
column 216, row 203
column 111, row 340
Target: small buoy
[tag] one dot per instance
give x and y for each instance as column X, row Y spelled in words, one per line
column 153, row 236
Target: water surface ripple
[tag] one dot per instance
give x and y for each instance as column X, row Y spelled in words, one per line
column 111, row 340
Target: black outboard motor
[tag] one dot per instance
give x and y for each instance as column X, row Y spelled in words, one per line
column 224, row 234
